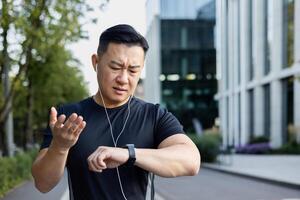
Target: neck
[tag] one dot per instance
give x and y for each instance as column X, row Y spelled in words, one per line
column 97, row 98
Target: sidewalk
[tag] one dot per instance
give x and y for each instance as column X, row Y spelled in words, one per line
column 280, row 169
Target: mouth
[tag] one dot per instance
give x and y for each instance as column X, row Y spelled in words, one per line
column 120, row 90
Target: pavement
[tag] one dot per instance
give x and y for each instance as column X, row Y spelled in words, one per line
column 278, row 169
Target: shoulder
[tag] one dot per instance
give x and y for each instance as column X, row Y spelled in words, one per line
column 156, row 110
column 146, row 107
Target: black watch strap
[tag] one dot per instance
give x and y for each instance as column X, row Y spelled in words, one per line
column 132, row 158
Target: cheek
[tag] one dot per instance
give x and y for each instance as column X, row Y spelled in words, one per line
column 134, row 82
column 107, row 77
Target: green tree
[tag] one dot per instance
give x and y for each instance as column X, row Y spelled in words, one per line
column 42, row 71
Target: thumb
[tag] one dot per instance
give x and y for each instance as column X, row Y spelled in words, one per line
column 53, row 117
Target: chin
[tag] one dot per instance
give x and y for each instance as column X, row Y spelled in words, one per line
column 119, row 100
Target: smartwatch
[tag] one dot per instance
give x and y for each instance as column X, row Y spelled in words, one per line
column 132, row 158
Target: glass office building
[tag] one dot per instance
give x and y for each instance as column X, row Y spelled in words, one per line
column 258, row 66
column 181, row 64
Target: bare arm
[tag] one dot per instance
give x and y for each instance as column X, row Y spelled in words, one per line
column 48, row 168
column 177, row 155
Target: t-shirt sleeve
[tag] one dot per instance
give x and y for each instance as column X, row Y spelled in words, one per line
column 47, row 133
column 166, row 125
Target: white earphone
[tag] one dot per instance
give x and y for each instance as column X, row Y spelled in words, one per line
column 115, row 141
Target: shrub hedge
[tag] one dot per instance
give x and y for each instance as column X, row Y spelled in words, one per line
column 208, row 145
column 13, row 170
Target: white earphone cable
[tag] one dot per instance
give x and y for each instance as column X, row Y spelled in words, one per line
column 111, row 132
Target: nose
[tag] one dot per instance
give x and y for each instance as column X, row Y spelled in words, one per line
column 122, row 77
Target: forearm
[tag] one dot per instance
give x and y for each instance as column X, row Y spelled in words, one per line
column 172, row 161
column 48, row 169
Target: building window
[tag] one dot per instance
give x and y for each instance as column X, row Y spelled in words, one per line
column 268, row 34
column 251, row 113
column 184, row 67
column 267, row 110
column 239, row 120
column 183, row 37
column 288, row 110
column 289, row 12
column 227, row 120
column 251, row 22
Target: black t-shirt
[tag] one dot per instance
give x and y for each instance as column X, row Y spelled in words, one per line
column 147, row 126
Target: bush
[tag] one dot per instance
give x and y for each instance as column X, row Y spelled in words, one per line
column 289, row 148
column 256, row 148
column 14, row 170
column 208, row 145
column 259, row 139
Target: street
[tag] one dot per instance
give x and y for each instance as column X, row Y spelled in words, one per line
column 207, row 185
column 212, row 185
column 27, row 191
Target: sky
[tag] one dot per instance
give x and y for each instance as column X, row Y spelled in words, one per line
column 115, row 12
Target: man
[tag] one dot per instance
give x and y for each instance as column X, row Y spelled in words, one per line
column 110, row 141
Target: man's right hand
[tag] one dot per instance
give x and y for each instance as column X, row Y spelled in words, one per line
column 65, row 132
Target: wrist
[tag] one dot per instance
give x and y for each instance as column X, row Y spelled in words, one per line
column 54, row 147
column 131, row 154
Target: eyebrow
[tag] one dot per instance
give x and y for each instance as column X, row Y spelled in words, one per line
column 121, row 65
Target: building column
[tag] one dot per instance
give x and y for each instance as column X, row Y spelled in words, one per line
column 276, row 65
column 244, row 65
column 223, row 28
column 259, row 63
column 235, row 72
column 153, row 67
column 297, row 61
column 230, row 71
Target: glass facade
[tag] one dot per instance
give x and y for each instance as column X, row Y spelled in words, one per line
column 288, row 108
column 269, row 68
column 289, row 12
column 251, row 113
column 251, row 64
column 267, row 110
column 268, row 36
column 188, row 71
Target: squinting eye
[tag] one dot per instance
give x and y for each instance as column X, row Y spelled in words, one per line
column 114, row 68
column 133, row 71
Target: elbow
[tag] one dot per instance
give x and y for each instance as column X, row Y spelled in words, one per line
column 195, row 166
column 194, row 170
column 39, row 185
column 41, row 188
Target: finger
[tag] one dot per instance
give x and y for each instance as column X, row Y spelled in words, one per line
column 70, row 121
column 76, row 124
column 100, row 160
column 80, row 128
column 78, row 120
column 95, row 162
column 92, row 165
column 101, row 156
column 53, row 118
column 60, row 121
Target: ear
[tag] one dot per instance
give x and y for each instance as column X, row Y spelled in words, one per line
column 95, row 61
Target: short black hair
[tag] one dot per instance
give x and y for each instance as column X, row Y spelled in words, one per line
column 121, row 34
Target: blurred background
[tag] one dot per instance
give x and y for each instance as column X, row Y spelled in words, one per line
column 227, row 69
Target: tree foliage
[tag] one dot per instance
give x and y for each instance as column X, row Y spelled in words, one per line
column 33, row 40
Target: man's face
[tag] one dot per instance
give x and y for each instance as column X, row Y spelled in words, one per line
column 118, row 72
